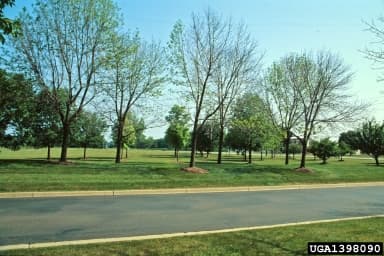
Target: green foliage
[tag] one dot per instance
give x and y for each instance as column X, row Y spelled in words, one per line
column 177, row 134
column 371, row 139
column 132, row 133
column 251, row 126
column 207, row 137
column 16, row 103
column 324, row 149
column 350, row 139
column 343, row 149
column 88, row 130
column 46, row 124
column 7, row 26
column 178, row 115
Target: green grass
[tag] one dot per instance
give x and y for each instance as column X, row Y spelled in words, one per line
column 277, row 241
column 27, row 170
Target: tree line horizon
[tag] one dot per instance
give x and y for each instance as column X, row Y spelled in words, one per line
column 74, row 54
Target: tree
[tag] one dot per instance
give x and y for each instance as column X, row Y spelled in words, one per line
column 177, row 133
column 134, row 73
column 88, row 131
column 207, row 138
column 343, row 149
column 283, row 99
column 294, row 148
column 16, row 103
column 237, row 68
column 194, row 54
column 176, row 136
column 7, row 26
column 350, row 138
column 321, row 87
column 62, row 44
column 46, row 125
column 128, row 136
column 375, row 54
column 323, row 149
column 251, row 120
column 371, row 139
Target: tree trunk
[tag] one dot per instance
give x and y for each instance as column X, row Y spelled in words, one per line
column 221, row 143
column 249, row 154
column 177, row 155
column 49, row 152
column 119, row 141
column 64, row 144
column 377, row 160
column 261, row 154
column 286, row 142
column 85, row 152
column 324, row 160
column 194, row 144
column 126, row 153
column 303, row 153
column 245, row 154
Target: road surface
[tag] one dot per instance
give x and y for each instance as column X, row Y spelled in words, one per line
column 35, row 220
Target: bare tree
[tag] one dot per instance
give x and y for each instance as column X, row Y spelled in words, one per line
column 195, row 55
column 134, row 72
column 283, row 99
column 238, row 67
column 321, row 84
column 373, row 53
column 62, row 43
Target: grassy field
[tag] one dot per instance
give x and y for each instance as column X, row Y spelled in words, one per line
column 277, row 241
column 27, row 170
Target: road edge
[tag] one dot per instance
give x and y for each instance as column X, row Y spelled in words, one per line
column 42, row 194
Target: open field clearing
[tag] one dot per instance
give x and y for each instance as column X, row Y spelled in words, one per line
column 27, row 170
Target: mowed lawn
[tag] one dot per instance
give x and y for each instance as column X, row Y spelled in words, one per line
column 27, row 170
column 276, row 241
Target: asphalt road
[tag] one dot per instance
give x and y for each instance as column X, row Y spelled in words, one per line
column 77, row 218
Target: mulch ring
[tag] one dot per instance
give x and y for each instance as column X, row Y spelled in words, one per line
column 194, row 170
column 303, row 170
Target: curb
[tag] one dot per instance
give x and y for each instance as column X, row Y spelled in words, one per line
column 171, row 235
column 182, row 190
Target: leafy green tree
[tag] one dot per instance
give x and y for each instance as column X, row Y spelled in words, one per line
column 251, row 121
column 46, row 125
column 62, row 46
column 350, row 138
column 7, row 26
column 343, row 149
column 208, row 137
column 294, row 148
column 324, row 149
column 128, row 136
column 88, row 131
column 177, row 134
column 16, row 103
column 371, row 139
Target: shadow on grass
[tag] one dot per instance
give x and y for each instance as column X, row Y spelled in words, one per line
column 30, row 162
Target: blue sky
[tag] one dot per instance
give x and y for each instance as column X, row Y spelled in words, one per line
column 279, row 26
